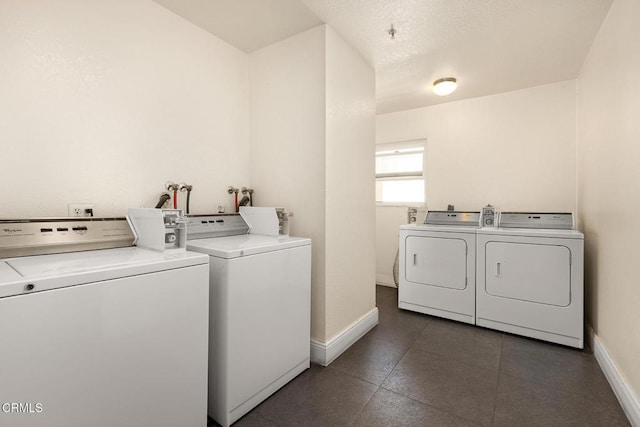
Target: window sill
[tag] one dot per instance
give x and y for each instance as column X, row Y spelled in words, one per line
column 400, row 204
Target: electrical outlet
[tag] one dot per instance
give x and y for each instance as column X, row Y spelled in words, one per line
column 81, row 209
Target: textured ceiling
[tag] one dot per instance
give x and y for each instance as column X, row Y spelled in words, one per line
column 246, row 24
column 490, row 46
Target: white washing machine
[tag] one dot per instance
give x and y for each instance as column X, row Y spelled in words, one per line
column 438, row 265
column 260, row 302
column 107, row 337
column 530, row 277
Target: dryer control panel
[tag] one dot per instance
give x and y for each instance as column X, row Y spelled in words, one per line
column 554, row 221
column 460, row 218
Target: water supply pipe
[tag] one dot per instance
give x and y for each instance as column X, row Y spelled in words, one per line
column 187, row 188
column 232, row 190
column 173, row 187
column 162, row 200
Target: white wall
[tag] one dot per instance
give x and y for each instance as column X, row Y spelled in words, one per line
column 350, row 191
column 609, row 190
column 312, row 139
column 515, row 150
column 388, row 222
column 104, row 101
column 288, row 144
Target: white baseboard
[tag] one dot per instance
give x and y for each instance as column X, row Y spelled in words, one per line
column 324, row 353
column 385, row 280
column 626, row 395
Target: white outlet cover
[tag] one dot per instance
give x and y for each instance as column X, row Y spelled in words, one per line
column 80, row 209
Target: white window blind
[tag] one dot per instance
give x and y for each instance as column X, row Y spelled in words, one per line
column 400, row 174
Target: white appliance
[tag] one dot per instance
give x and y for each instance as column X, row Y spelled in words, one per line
column 260, row 290
column 159, row 229
column 438, row 264
column 530, row 277
column 108, row 337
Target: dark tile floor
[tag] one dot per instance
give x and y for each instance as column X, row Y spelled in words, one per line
column 418, row 370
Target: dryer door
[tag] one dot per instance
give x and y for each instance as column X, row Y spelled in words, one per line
column 436, row 261
column 529, row 272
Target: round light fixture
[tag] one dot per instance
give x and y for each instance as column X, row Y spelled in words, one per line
column 444, row 86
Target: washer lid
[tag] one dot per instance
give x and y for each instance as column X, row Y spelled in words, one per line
column 8, row 274
column 245, row 244
column 47, row 272
column 82, row 262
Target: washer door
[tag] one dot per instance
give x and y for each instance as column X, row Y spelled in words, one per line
column 436, row 261
column 529, row 272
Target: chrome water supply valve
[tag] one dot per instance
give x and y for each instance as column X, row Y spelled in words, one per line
column 169, row 185
column 245, row 199
column 246, row 191
column 233, row 190
column 250, row 196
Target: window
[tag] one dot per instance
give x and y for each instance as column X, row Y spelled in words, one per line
column 399, row 173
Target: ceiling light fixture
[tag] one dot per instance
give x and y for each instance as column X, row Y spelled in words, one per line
column 445, row 86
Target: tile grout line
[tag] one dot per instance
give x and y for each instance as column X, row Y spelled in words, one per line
column 444, row 410
column 386, row 376
column 495, row 397
column 430, row 405
column 544, row 385
column 345, row 372
column 381, row 386
column 467, row 364
column 404, row 354
column 355, row 418
column 394, row 366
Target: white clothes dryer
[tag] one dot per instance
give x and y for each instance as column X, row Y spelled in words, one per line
column 260, row 302
column 438, row 265
column 530, row 277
